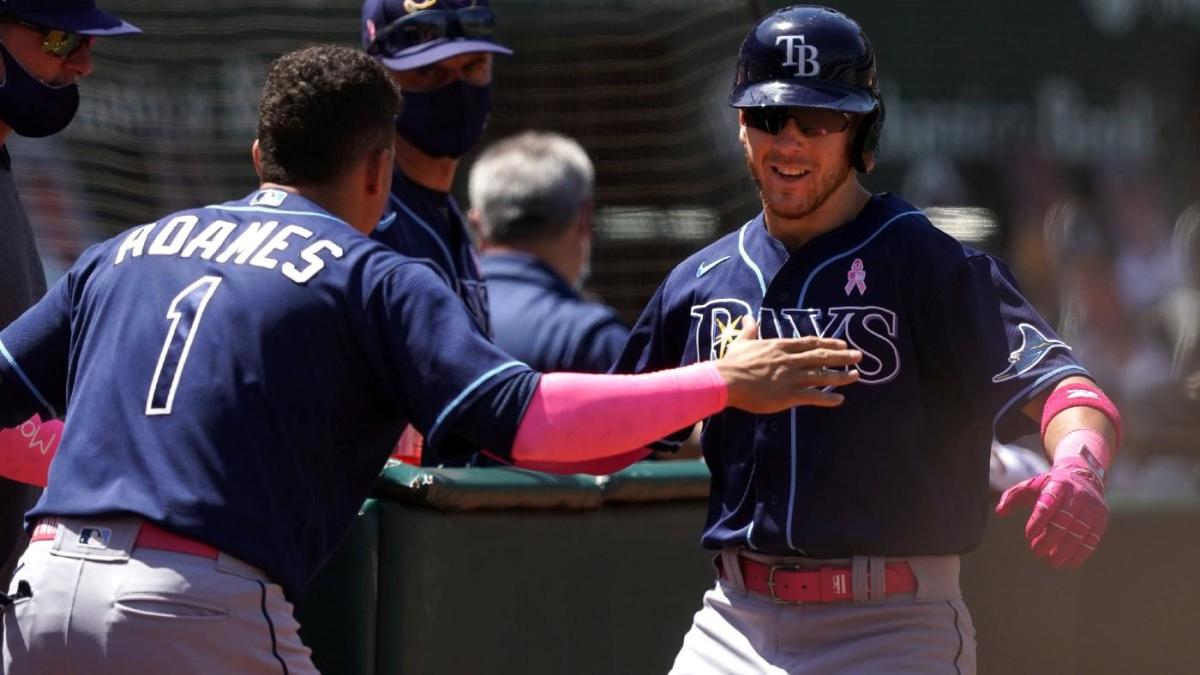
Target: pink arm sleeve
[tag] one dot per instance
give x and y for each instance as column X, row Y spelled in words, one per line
column 26, row 450
column 578, row 421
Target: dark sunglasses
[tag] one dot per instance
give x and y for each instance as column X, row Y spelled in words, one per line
column 812, row 122
column 57, row 42
column 433, row 24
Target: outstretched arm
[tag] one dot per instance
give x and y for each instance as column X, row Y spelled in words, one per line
column 575, row 418
column 1081, row 429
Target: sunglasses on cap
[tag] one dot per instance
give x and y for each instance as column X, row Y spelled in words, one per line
column 433, row 24
column 812, row 122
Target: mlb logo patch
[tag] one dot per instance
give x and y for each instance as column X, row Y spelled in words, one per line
column 268, row 198
column 95, row 537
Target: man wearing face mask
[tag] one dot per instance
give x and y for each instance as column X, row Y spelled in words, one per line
column 45, row 49
column 531, row 203
column 440, row 54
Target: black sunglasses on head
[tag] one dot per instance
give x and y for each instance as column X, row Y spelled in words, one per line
column 433, row 24
column 812, row 122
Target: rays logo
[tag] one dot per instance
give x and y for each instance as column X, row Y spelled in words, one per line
column 871, row 330
column 799, row 54
column 1034, row 348
column 720, row 322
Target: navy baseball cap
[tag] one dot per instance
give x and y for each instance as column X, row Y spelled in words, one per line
column 444, row 28
column 72, row 16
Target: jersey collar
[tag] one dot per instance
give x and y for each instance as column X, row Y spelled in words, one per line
column 274, row 200
column 770, row 251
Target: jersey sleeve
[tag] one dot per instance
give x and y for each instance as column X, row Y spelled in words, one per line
column 439, row 366
column 33, row 358
column 650, row 348
column 1003, row 350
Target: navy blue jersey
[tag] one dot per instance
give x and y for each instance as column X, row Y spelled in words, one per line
column 428, row 225
column 951, row 352
column 540, row 319
column 239, row 373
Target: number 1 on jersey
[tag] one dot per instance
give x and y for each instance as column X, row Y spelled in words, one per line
column 185, row 313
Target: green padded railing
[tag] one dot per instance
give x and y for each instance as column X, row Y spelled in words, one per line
column 508, row 488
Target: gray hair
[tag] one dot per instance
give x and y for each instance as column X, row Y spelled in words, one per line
column 530, row 186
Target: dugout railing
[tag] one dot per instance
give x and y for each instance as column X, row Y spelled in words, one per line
column 482, row 571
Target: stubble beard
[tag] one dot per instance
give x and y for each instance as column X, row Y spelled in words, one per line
column 827, row 184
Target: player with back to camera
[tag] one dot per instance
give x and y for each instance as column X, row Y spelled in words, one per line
column 233, row 377
column 839, row 530
column 46, row 49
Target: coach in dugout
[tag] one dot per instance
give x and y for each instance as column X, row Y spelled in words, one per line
column 439, row 52
column 46, row 46
column 531, row 204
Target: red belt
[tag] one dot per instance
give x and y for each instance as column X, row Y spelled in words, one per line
column 149, row 536
column 791, row 583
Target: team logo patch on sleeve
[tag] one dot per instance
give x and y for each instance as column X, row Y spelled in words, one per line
column 1034, row 348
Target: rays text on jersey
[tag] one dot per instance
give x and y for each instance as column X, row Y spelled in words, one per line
column 869, row 329
column 256, row 243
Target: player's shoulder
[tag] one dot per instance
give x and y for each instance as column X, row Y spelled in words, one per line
column 694, row 266
column 380, row 265
column 909, row 228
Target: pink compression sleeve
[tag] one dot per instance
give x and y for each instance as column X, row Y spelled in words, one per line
column 575, row 418
column 26, row 450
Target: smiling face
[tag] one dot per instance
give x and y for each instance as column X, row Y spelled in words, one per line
column 797, row 175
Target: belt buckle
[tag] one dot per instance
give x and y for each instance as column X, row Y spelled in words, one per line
column 771, row 583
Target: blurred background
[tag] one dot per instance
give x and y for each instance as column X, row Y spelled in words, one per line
column 1060, row 135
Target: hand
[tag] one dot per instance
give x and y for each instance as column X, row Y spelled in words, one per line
column 767, row 376
column 1069, row 511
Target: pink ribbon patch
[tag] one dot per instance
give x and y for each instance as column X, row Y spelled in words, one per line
column 856, row 277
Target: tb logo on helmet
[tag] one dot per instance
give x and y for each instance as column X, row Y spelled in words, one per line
column 800, row 54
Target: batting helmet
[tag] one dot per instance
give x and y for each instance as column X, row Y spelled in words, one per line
column 812, row 57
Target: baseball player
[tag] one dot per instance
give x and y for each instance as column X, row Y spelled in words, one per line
column 839, row 530
column 45, row 50
column 233, row 377
column 440, row 54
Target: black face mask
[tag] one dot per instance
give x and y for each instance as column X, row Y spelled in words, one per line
column 32, row 107
column 445, row 122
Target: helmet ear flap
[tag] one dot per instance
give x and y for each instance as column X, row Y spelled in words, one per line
column 866, row 138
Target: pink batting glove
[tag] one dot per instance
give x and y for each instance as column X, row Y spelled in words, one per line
column 26, row 450
column 1069, row 511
